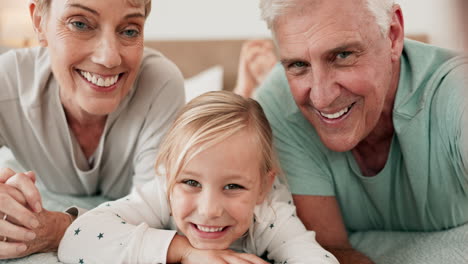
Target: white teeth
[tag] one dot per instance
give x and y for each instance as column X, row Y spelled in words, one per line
column 99, row 80
column 210, row 229
column 337, row 114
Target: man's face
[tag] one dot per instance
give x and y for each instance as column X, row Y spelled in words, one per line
column 341, row 70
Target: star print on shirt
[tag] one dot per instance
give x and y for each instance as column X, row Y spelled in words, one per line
column 81, row 261
column 101, row 235
column 77, row 231
column 272, row 225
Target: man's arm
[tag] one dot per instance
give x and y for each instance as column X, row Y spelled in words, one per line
column 322, row 215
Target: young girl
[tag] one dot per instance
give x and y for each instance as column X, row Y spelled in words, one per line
column 211, row 199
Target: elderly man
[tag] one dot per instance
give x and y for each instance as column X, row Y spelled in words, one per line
column 371, row 129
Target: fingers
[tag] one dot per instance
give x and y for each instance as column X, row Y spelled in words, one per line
column 11, row 250
column 233, row 259
column 243, row 258
column 252, row 258
column 14, row 193
column 24, row 184
column 15, row 233
column 5, row 174
column 31, row 176
column 16, row 212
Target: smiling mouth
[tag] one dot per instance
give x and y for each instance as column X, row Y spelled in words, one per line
column 338, row 114
column 99, row 80
column 210, row 229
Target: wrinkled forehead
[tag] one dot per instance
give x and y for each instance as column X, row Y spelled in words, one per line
column 44, row 5
column 323, row 11
column 136, row 3
column 323, row 19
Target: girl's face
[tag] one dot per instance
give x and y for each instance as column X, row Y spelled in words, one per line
column 214, row 196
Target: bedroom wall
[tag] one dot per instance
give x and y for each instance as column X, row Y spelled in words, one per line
column 234, row 19
column 240, row 19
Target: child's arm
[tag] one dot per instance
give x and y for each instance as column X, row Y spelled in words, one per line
column 282, row 235
column 180, row 251
column 128, row 230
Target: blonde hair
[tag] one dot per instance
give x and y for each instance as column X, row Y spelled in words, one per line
column 207, row 120
column 43, row 5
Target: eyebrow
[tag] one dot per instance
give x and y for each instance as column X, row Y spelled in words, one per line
column 344, row 47
column 340, row 48
column 83, row 7
column 190, row 173
column 137, row 14
column 230, row 177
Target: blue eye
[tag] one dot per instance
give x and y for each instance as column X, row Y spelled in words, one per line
column 131, row 33
column 298, row 64
column 192, row 183
column 344, row 54
column 80, row 25
column 233, row 186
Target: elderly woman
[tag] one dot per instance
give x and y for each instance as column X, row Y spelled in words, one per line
column 85, row 112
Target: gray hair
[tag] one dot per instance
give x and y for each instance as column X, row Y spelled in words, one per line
column 380, row 9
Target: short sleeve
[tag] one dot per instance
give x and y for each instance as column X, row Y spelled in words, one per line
column 302, row 155
column 450, row 111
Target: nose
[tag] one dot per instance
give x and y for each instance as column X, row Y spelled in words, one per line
column 210, row 205
column 107, row 50
column 324, row 89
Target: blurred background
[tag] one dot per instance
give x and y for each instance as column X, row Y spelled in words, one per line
column 440, row 21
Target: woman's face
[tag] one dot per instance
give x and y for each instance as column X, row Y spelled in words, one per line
column 95, row 49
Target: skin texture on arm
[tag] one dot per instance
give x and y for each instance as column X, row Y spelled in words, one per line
column 322, row 214
column 180, row 251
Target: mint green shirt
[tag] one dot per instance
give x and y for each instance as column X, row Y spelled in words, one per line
column 424, row 184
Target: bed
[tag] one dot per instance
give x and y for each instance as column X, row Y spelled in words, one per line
column 212, row 65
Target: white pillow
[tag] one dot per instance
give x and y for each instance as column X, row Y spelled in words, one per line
column 208, row 80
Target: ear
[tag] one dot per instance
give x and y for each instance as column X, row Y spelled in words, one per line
column 38, row 24
column 396, row 32
column 268, row 182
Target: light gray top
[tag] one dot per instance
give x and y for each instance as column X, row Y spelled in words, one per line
column 33, row 125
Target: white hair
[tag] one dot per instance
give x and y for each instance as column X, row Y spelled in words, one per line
column 380, row 9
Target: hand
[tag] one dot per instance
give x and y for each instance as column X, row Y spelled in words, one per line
column 181, row 251
column 17, row 195
column 198, row 256
column 257, row 58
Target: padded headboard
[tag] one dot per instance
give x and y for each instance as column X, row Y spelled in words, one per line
column 192, row 56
